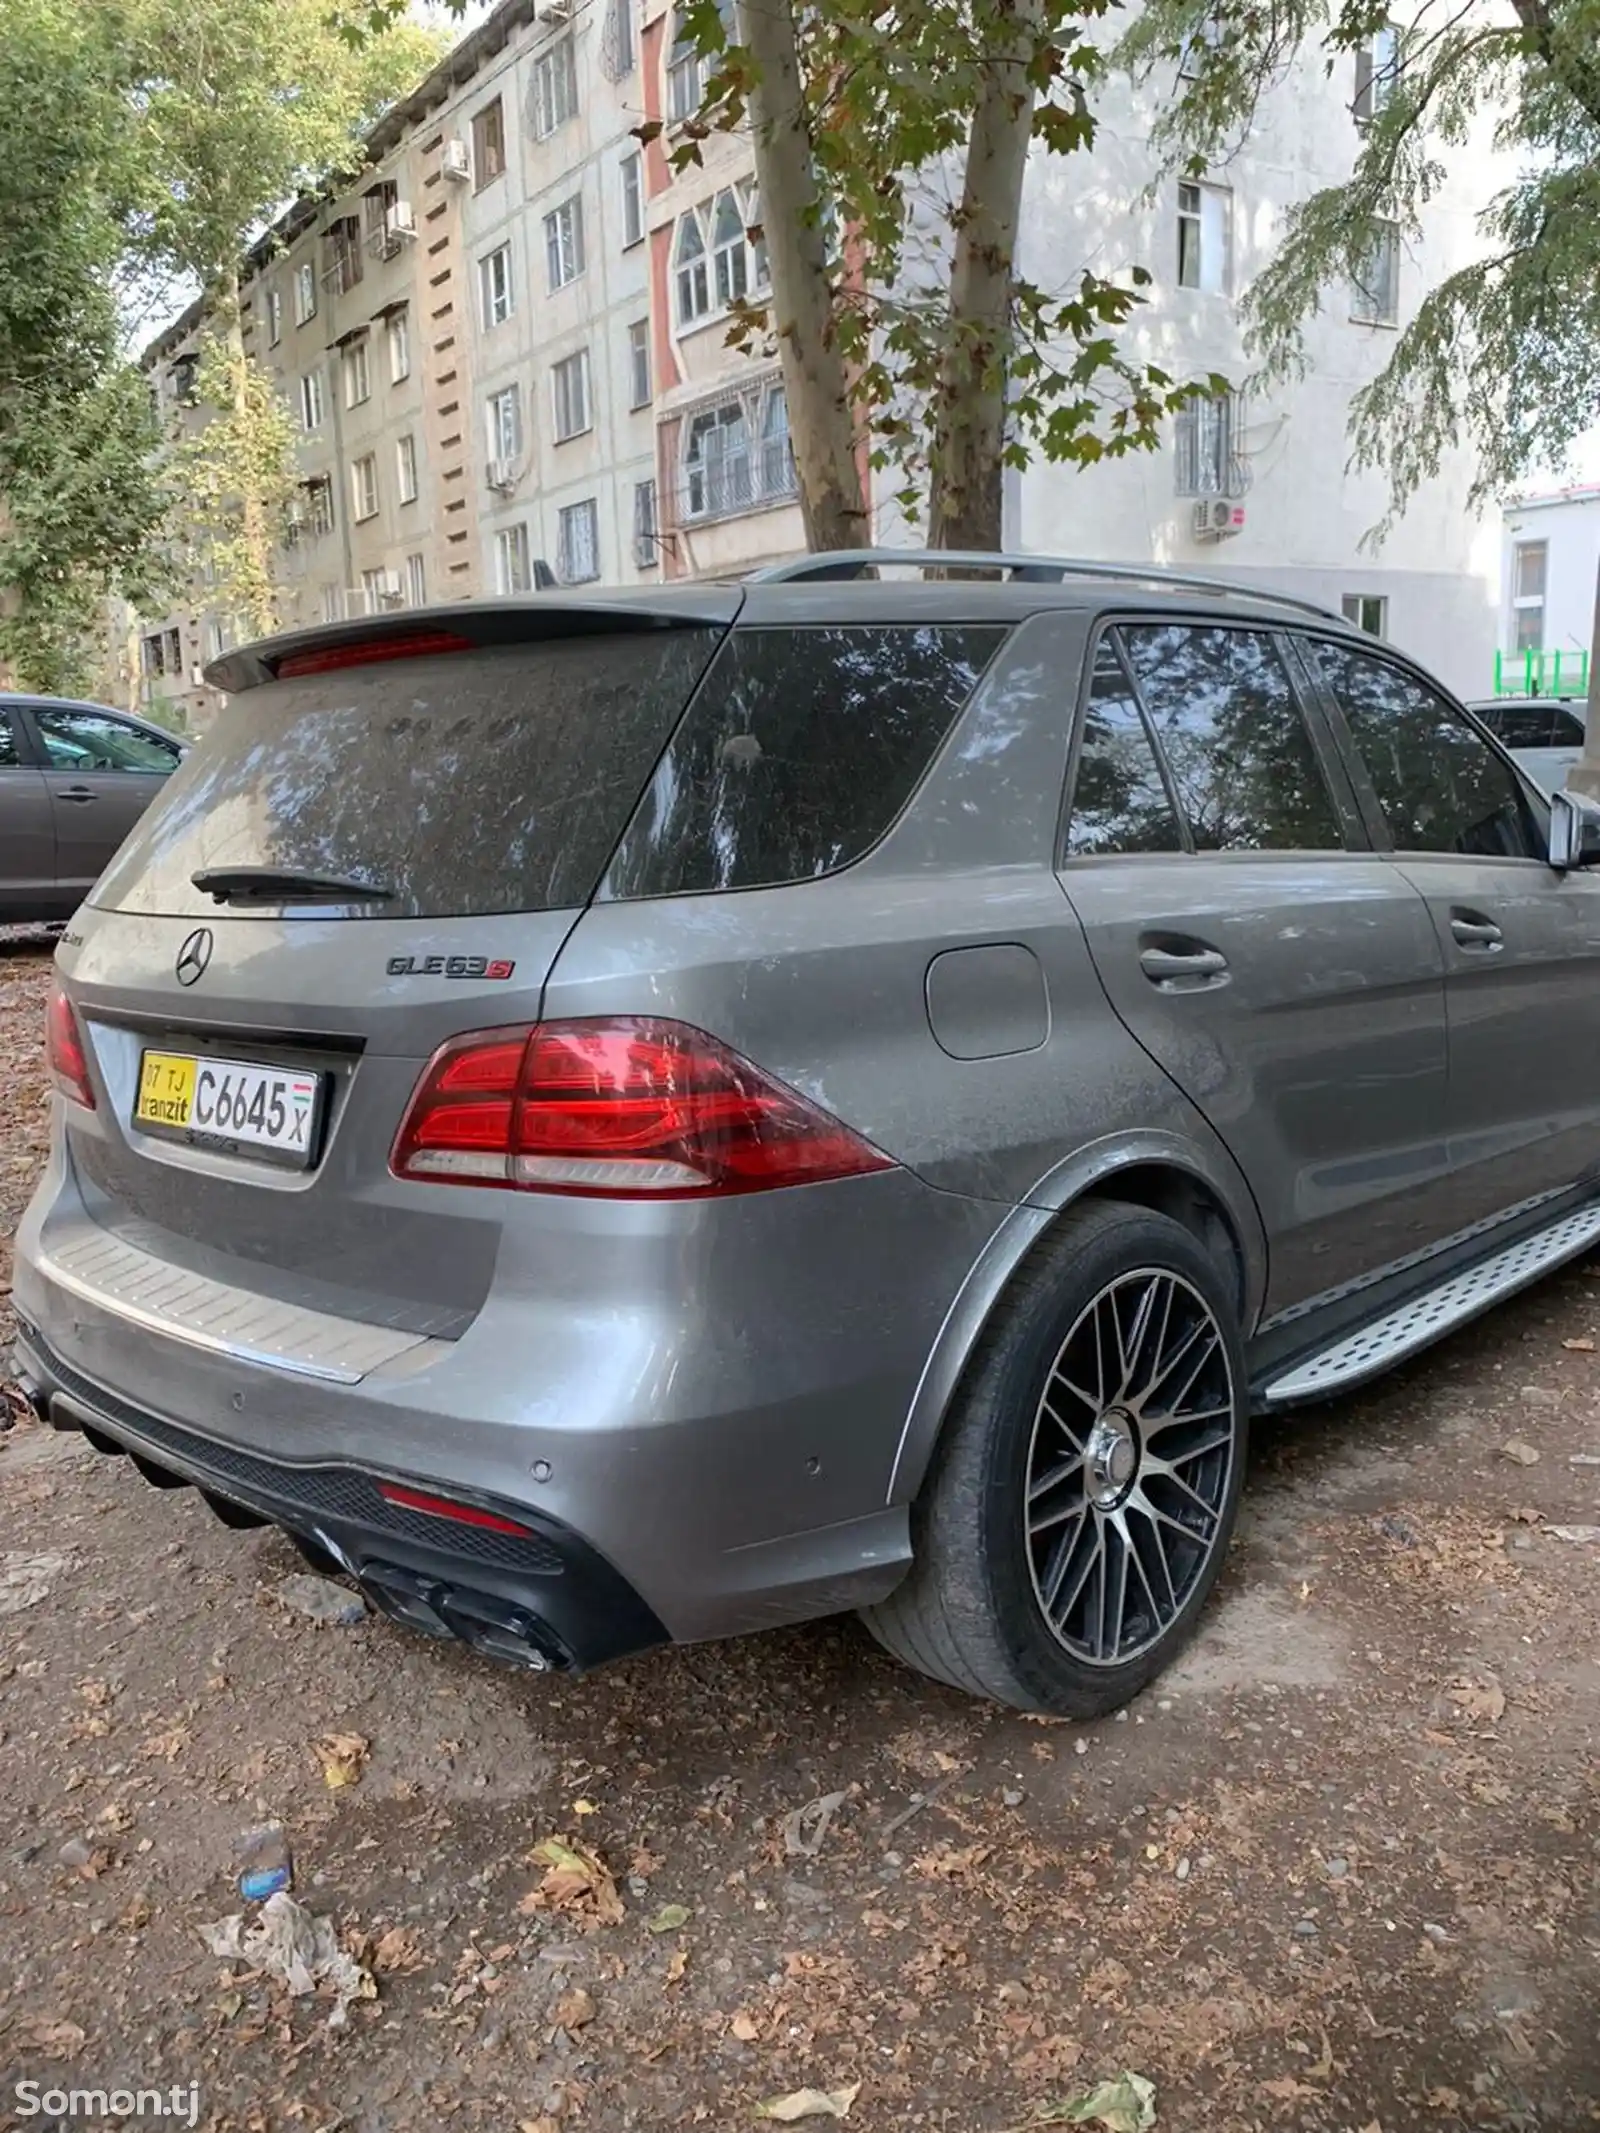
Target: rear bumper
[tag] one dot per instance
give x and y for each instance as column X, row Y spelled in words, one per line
column 542, row 1598
column 698, row 1411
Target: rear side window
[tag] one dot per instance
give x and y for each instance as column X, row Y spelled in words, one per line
column 10, row 755
column 1230, row 727
column 1119, row 801
column 90, row 740
column 1532, row 722
column 1441, row 787
column 469, row 783
column 797, row 754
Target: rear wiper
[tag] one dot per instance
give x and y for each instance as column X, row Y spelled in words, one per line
column 283, row 885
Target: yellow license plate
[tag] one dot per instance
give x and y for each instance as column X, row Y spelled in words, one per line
column 166, row 1090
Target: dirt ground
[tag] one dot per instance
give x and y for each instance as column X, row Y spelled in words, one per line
column 1339, row 1871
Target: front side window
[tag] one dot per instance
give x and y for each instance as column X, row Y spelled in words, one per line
column 578, row 543
column 555, row 89
column 85, row 740
column 1226, row 718
column 494, row 285
column 1375, row 291
column 1119, row 800
column 10, row 753
column 512, row 571
column 1440, row 785
column 1205, row 237
column 798, row 752
column 563, row 243
column 569, row 394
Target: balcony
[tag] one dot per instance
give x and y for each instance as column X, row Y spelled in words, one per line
column 736, row 455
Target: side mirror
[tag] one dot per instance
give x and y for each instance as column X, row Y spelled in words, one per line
column 1574, row 831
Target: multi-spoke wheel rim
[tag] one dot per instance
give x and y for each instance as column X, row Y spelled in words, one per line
column 1129, row 1466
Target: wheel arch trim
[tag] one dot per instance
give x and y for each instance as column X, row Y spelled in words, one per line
column 1089, row 1170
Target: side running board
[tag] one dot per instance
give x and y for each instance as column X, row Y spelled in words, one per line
column 1427, row 1317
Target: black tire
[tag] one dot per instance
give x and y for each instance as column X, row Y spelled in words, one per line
column 972, row 1610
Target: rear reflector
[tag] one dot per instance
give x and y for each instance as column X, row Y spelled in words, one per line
column 370, row 651
column 69, row 1069
column 631, row 1106
column 464, row 1514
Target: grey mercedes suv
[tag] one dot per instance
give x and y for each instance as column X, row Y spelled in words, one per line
column 627, row 1117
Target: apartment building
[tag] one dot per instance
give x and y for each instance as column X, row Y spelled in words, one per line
column 1550, row 563
column 506, row 346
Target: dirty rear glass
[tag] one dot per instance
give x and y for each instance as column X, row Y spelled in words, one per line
column 474, row 782
column 797, row 754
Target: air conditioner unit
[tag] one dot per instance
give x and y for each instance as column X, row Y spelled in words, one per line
column 456, row 160
column 1215, row 519
column 401, row 219
column 197, row 677
column 501, row 474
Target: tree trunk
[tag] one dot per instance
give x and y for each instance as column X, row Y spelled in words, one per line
column 260, row 600
column 969, row 413
column 821, row 423
column 1584, row 776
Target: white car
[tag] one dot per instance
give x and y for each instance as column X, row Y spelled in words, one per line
column 1544, row 733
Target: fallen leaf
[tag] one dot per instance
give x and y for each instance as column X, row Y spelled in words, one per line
column 1476, row 1699
column 669, row 1918
column 57, row 2040
column 745, row 2027
column 584, row 1807
column 1580, row 1347
column 537, row 2125
column 1587, row 1535
column 1125, row 2104
column 677, row 1966
column 1518, row 1449
column 576, row 1881
column 344, row 1757
column 398, row 1952
column 809, row 2103
column 574, row 2010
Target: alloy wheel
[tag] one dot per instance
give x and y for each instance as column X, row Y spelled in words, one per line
column 1129, row 1466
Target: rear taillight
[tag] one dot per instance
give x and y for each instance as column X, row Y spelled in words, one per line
column 69, row 1069
column 630, row 1106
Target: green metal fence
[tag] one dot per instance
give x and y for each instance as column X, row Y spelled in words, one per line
column 1541, row 673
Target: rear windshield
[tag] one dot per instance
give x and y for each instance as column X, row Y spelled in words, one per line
column 799, row 751
column 475, row 782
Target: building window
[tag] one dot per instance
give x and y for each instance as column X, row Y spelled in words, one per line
column 319, row 505
column 380, row 204
column 555, row 89
column 632, row 174
column 1205, row 237
column 714, row 253
column 737, row 455
column 563, row 243
column 494, row 285
column 639, row 363
column 645, row 553
column 618, row 48
column 1207, row 38
column 357, row 374
column 186, row 380
column 274, row 317
column 311, row 407
column 1529, row 565
column 1368, row 611
column 578, row 542
column 405, row 453
column 416, row 581
column 512, row 571
column 1377, row 72
column 399, row 336
column 504, row 411
column 343, row 252
column 364, row 487
column 569, row 393
column 379, row 589
column 305, row 292
column 488, row 145
column 687, row 75
column 1375, row 292
column 153, row 653
column 1207, row 433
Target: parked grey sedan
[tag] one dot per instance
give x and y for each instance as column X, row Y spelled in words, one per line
column 74, row 778
column 625, row 1117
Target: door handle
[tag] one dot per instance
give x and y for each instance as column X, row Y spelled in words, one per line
column 1480, row 936
column 79, row 793
column 1180, row 969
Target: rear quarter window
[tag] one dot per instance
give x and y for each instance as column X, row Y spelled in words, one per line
column 798, row 752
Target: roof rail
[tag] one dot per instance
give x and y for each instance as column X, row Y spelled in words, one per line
column 1020, row 570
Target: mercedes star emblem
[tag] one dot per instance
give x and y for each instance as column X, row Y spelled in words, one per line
column 194, row 955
